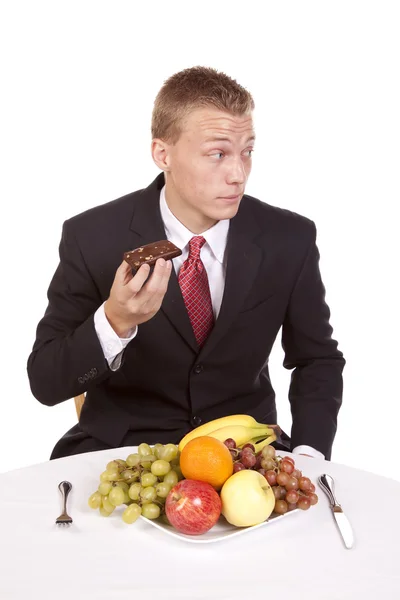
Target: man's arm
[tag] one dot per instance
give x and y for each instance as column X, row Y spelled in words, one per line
column 316, row 386
column 68, row 354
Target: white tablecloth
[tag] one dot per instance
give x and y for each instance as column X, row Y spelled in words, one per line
column 301, row 556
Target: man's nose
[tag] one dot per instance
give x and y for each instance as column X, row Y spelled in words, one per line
column 237, row 172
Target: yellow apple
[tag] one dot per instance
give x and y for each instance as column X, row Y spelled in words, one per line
column 247, row 498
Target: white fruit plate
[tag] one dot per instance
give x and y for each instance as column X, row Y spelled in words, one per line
column 222, row 530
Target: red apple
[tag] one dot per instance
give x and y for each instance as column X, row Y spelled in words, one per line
column 193, row 507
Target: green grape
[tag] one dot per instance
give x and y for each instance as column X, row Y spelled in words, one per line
column 95, row 500
column 144, row 450
column 174, row 462
column 112, row 465
column 134, row 491
column 148, row 494
column 169, row 452
column 131, row 513
column 104, row 512
column 148, row 479
column 116, row 496
column 156, row 449
column 104, row 488
column 160, row 468
column 121, row 462
column 106, row 504
column 127, row 499
column 123, row 485
column 127, row 475
column 133, row 460
column 163, row 489
column 105, row 476
column 150, row 511
column 171, row 478
column 147, row 459
column 111, row 475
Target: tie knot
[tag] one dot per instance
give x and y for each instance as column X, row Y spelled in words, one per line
column 195, row 245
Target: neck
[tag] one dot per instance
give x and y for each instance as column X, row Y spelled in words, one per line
column 192, row 219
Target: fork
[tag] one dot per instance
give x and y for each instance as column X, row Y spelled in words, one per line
column 65, row 488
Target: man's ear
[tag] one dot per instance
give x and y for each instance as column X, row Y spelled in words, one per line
column 160, row 154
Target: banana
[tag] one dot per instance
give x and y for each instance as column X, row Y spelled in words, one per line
column 260, row 445
column 240, row 433
column 207, row 428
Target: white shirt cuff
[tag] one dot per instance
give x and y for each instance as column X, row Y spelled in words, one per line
column 111, row 344
column 308, row 450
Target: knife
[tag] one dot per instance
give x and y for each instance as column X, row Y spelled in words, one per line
column 327, row 484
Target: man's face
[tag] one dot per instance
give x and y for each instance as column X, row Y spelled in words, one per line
column 208, row 167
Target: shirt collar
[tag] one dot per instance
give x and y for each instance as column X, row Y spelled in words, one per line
column 179, row 235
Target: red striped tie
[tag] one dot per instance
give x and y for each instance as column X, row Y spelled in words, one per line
column 193, row 281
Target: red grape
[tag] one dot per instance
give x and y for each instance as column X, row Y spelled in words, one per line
column 304, row 483
column 297, row 473
column 303, row 503
column 281, row 507
column 292, row 484
column 292, row 497
column 230, row 443
column 283, row 493
column 289, row 458
column 270, row 476
column 282, row 478
column 312, row 488
column 233, row 453
column 287, row 467
column 313, row 498
column 277, row 491
column 262, row 472
column 238, row 467
column 258, row 466
column 248, row 460
column 291, row 507
column 249, row 446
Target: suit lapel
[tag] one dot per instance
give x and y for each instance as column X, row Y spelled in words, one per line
column 243, row 260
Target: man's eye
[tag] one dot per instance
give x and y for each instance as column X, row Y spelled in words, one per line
column 218, row 154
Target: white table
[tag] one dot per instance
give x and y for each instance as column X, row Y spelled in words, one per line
column 301, row 556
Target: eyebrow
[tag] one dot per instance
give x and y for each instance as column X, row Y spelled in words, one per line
column 223, row 138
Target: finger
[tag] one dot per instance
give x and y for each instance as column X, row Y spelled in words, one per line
column 137, row 282
column 123, row 274
column 153, row 292
column 161, row 271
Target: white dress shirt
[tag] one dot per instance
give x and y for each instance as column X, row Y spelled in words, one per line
column 213, row 256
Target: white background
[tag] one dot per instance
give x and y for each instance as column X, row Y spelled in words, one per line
column 78, row 81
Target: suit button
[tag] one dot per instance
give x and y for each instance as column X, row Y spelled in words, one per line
column 198, row 369
column 81, row 380
column 195, row 421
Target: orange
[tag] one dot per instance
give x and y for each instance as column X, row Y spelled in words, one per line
column 206, row 459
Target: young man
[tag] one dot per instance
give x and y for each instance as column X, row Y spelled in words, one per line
column 158, row 353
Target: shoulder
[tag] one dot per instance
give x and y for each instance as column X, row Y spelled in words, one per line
column 280, row 220
column 104, row 216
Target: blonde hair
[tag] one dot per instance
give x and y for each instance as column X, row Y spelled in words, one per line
column 193, row 88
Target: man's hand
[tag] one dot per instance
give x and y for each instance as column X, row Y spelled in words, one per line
column 132, row 300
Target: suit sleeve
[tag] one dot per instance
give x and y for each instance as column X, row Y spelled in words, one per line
column 316, row 386
column 67, row 357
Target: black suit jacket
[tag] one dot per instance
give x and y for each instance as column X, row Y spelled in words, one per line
column 166, row 385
